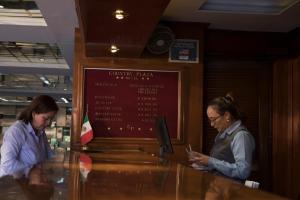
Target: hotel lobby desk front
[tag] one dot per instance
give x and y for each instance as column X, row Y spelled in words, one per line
column 114, row 175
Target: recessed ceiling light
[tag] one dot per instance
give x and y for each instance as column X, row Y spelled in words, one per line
column 114, row 49
column 120, row 14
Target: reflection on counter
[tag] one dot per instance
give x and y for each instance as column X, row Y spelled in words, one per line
column 124, row 175
column 121, row 175
column 56, row 172
column 21, row 189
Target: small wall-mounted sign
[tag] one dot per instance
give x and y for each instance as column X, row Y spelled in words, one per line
column 184, row 50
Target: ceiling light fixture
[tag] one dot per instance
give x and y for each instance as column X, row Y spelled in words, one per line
column 2, row 99
column 45, row 80
column 114, row 49
column 120, row 14
column 65, row 100
column 250, row 7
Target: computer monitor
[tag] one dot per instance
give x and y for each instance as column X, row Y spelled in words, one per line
column 163, row 136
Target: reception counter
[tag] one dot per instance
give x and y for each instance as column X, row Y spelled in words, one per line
column 124, row 175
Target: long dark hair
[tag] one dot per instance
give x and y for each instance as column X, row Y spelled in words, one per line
column 227, row 104
column 40, row 104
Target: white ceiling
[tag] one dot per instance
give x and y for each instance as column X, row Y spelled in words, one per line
column 61, row 19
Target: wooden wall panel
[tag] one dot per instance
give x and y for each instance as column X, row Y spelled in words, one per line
column 258, row 47
column 265, row 135
column 100, row 29
column 294, row 42
column 296, row 128
column 285, row 92
column 250, row 83
column 192, row 103
column 236, row 46
column 241, row 44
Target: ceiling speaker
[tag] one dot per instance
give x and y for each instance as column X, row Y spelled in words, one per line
column 160, row 40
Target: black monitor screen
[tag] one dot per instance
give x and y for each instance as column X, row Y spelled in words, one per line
column 163, row 136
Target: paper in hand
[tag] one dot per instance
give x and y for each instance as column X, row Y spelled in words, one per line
column 199, row 167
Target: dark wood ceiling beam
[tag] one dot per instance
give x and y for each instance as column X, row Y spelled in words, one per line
column 100, row 29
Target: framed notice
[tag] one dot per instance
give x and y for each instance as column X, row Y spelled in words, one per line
column 124, row 103
column 183, row 50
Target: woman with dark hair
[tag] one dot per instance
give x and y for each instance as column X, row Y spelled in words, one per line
column 231, row 154
column 25, row 144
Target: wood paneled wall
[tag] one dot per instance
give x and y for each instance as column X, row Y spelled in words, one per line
column 294, row 42
column 100, row 29
column 286, row 127
column 244, row 45
column 192, row 98
column 232, row 48
column 236, row 49
column 250, row 82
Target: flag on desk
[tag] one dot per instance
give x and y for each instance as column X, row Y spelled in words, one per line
column 86, row 131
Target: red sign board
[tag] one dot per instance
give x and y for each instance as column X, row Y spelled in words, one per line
column 124, row 103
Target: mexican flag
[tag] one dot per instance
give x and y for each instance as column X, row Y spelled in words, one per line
column 86, row 131
column 85, row 165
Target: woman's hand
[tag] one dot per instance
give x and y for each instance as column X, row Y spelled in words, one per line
column 198, row 158
column 36, row 176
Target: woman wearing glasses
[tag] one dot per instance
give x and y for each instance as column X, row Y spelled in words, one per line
column 231, row 154
column 25, row 144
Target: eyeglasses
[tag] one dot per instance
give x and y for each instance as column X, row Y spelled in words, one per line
column 213, row 120
column 47, row 119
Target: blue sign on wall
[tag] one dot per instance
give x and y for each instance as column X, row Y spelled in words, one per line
column 183, row 50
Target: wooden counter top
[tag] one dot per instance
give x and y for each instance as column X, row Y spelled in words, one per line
column 126, row 175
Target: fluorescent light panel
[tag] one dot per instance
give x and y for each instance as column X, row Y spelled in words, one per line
column 270, row 7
